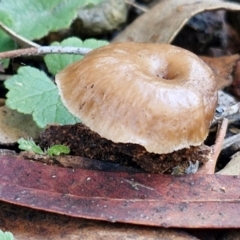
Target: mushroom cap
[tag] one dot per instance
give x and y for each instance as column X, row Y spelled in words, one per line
column 157, row 95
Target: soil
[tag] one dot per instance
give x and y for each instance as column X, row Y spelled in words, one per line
column 86, row 143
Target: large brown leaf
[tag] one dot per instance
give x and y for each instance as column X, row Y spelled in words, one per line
column 29, row 224
column 164, row 21
column 158, row 200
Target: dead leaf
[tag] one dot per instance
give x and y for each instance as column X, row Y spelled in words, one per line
column 2, row 102
column 76, row 162
column 222, row 68
column 28, row 224
column 236, row 81
column 164, row 21
column 14, row 125
column 233, row 234
column 193, row 201
column 233, row 167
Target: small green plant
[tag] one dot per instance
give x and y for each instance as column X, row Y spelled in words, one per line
column 31, row 91
column 6, row 235
column 31, row 146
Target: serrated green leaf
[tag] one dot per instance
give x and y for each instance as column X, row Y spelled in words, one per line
column 6, row 235
column 56, row 62
column 58, row 150
column 29, row 146
column 32, row 92
column 34, row 19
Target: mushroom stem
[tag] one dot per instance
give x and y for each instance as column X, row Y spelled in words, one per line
column 209, row 167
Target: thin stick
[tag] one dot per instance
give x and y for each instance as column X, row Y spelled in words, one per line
column 20, row 40
column 209, row 167
column 44, row 50
column 136, row 5
column 230, row 141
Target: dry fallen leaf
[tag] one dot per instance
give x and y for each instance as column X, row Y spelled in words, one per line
column 190, row 201
column 164, row 21
column 233, row 234
column 236, row 81
column 29, row 224
column 222, row 68
column 233, row 167
column 14, row 125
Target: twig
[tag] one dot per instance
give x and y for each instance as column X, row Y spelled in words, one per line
column 44, row 50
column 20, row 40
column 136, row 5
column 209, row 167
column 230, row 141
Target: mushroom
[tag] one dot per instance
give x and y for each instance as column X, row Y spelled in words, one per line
column 159, row 96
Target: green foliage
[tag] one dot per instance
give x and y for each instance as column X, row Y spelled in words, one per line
column 5, row 42
column 58, row 150
column 90, row 2
column 31, row 146
column 35, row 19
column 5, row 45
column 32, row 92
column 6, row 235
column 56, row 62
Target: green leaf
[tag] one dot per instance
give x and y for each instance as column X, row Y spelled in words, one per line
column 90, row 2
column 58, row 150
column 35, row 19
column 56, row 62
column 6, row 43
column 6, row 235
column 32, row 92
column 29, row 146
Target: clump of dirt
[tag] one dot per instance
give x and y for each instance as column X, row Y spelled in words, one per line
column 86, row 143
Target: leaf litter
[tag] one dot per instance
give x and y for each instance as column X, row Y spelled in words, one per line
column 217, row 186
column 191, row 201
column 38, row 225
column 14, row 125
column 160, row 24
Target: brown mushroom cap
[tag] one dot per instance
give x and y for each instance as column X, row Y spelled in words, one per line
column 156, row 95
